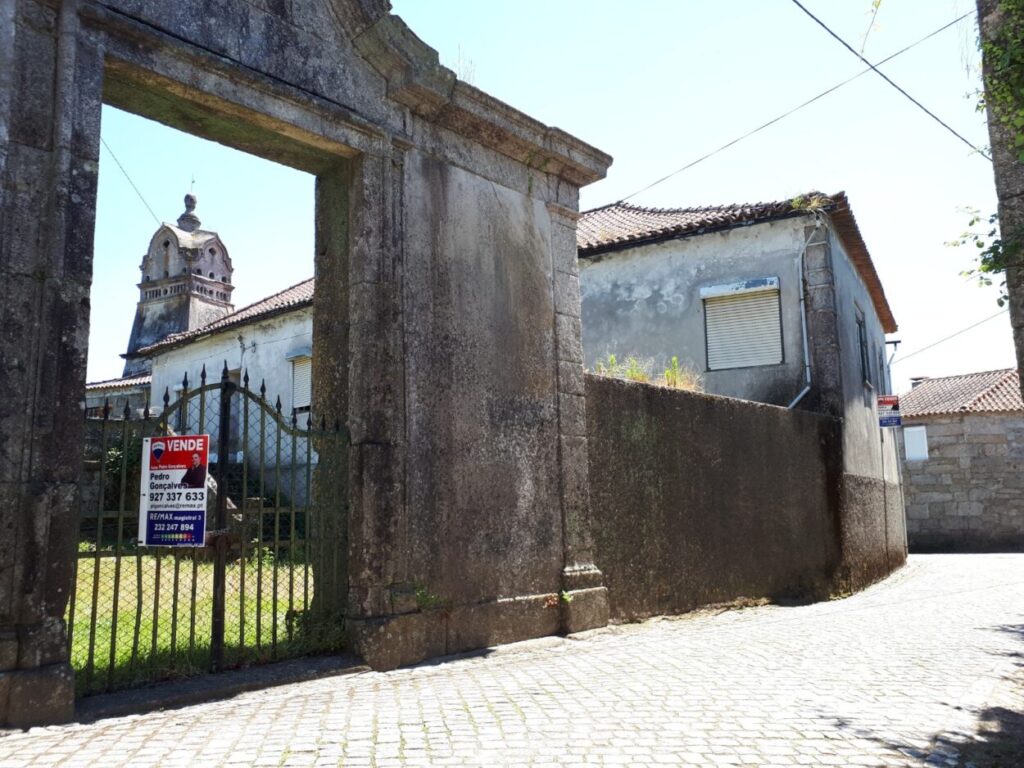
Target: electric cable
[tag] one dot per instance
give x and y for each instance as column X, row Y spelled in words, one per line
column 807, row 103
column 132, row 183
column 885, row 77
column 951, row 336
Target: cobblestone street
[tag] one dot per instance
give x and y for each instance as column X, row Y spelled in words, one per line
column 923, row 669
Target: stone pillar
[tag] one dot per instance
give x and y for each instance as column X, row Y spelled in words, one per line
column 330, row 396
column 50, row 97
column 584, row 599
column 826, row 395
column 376, row 404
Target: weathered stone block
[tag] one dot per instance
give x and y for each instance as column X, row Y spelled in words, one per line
column 8, row 650
column 568, row 335
column 572, row 415
column 819, row 277
column 938, row 428
column 40, row 696
column 33, row 97
column 567, row 294
column 584, row 609
column 563, row 248
column 501, row 621
column 390, row 642
column 917, row 512
column 932, row 496
column 42, row 644
column 570, row 378
column 576, row 496
column 821, row 299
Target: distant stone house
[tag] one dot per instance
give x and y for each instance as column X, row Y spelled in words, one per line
column 963, row 462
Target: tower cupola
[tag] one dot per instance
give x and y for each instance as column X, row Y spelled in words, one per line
column 186, row 284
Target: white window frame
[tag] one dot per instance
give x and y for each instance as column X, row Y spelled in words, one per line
column 915, row 443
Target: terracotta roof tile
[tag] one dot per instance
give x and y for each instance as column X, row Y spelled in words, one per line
column 984, row 392
column 622, row 225
column 293, row 297
column 127, row 381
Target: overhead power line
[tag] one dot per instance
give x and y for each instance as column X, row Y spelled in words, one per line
column 887, row 79
column 951, row 336
column 137, row 192
column 797, row 108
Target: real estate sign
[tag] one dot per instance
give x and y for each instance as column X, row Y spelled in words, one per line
column 889, row 411
column 172, row 503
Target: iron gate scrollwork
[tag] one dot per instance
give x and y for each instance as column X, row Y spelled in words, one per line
column 139, row 614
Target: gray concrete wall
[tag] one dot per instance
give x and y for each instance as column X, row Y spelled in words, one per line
column 700, row 499
column 645, row 301
column 871, row 486
column 968, row 495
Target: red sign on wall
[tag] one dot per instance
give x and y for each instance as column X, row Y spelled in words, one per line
column 889, row 411
column 172, row 504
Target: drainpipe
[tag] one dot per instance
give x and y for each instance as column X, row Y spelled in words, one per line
column 803, row 314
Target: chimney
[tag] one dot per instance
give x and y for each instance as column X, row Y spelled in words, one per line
column 915, row 380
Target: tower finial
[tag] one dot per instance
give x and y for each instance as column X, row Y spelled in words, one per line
column 188, row 220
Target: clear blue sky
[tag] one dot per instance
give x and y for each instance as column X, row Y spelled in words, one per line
column 655, row 83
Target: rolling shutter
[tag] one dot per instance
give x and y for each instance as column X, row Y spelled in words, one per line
column 302, row 380
column 743, row 330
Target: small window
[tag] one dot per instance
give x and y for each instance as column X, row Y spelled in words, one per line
column 865, row 361
column 915, row 443
column 302, row 383
column 743, row 327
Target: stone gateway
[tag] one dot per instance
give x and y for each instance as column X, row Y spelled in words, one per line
column 447, row 328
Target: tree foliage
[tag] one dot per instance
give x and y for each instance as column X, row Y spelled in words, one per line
column 1003, row 98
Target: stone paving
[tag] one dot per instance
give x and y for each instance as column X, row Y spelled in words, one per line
column 926, row 668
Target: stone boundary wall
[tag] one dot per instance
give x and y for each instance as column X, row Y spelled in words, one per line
column 698, row 499
column 969, row 494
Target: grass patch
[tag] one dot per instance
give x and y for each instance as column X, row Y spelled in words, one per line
column 675, row 376
column 144, row 617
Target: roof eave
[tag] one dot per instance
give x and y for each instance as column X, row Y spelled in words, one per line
column 166, row 345
column 846, row 228
column 678, row 234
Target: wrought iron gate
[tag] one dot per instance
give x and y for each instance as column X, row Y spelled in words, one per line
column 139, row 614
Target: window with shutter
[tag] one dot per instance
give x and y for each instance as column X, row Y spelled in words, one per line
column 743, row 330
column 302, row 383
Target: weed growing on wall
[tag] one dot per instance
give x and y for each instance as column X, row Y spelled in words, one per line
column 676, row 376
column 682, row 377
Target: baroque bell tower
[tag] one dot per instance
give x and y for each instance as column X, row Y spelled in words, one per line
column 186, row 284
